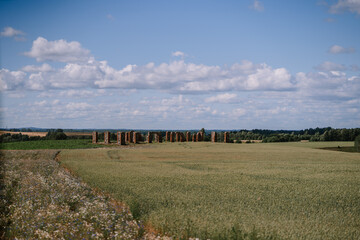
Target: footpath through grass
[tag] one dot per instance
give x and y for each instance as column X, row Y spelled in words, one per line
column 220, row 191
column 40, row 200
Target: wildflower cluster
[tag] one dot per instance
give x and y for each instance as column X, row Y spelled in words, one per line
column 44, row 201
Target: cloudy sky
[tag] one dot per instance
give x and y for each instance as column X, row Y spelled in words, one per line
column 180, row 64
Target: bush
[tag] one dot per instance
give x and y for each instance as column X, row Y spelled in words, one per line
column 357, row 144
column 58, row 134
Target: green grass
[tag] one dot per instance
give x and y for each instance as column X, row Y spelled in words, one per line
column 49, row 144
column 205, row 190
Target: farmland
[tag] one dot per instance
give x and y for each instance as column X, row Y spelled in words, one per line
column 216, row 190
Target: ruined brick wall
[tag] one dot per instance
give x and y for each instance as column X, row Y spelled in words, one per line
column 213, row 136
column 121, row 138
column 194, row 137
column 95, row 137
column 226, row 137
column 167, row 136
column 106, row 137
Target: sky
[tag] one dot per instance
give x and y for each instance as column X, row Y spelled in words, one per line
column 182, row 64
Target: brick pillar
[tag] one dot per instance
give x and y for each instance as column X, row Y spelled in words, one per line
column 131, row 136
column 172, row 136
column 226, row 137
column 149, row 137
column 121, row 138
column 106, row 137
column 213, row 137
column 182, row 137
column 188, row 137
column 194, row 137
column 177, row 137
column 135, row 137
column 95, row 137
column 159, row 137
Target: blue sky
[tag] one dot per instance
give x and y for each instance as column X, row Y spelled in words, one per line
column 180, row 64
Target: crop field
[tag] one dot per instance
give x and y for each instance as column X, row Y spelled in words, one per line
column 225, row 191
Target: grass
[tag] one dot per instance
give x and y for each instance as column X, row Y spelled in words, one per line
column 216, row 190
column 50, row 144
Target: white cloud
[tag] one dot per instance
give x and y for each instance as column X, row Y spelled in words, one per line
column 178, row 54
column 222, row 98
column 346, row 5
column 11, row 32
column 58, row 51
column 330, row 66
column 336, row 49
column 10, row 80
column 82, row 106
column 257, row 5
column 32, row 68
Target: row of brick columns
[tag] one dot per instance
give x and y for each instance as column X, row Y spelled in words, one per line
column 181, row 137
column 122, row 137
column 135, row 137
column 158, row 137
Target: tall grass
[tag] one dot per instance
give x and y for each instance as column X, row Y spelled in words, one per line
column 220, row 191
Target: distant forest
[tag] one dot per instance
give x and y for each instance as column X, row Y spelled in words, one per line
column 311, row 134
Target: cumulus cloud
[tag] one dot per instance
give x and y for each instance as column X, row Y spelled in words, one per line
column 178, row 54
column 176, row 76
column 10, row 80
column 330, row 66
column 336, row 49
column 346, row 5
column 11, row 32
column 58, row 51
column 257, row 5
column 32, row 68
column 222, row 98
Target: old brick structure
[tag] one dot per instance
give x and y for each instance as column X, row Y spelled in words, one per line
column 95, row 137
column 172, row 136
column 226, row 137
column 106, row 137
column 213, row 136
column 182, row 137
column 158, row 137
column 149, row 137
column 167, row 136
column 135, row 137
column 194, row 137
column 188, row 136
column 120, row 138
column 199, row 137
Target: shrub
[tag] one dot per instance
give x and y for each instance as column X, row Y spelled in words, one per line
column 58, row 134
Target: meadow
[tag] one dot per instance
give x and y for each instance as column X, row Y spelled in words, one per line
column 231, row 191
